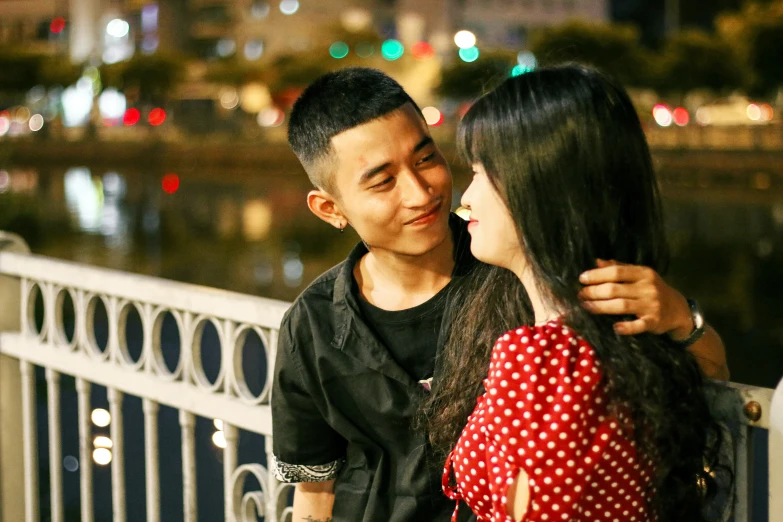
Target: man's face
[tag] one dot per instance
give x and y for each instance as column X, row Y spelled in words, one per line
column 394, row 186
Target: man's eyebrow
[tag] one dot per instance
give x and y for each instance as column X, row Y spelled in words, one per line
column 425, row 141
column 371, row 173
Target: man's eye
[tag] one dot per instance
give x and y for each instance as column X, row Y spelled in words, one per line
column 384, row 182
column 425, row 159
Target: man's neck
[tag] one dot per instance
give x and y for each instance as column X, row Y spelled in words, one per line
column 393, row 281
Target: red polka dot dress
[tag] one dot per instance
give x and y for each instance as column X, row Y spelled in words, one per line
column 544, row 411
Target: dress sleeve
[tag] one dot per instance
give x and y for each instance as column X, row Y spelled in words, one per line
column 546, row 409
column 305, row 447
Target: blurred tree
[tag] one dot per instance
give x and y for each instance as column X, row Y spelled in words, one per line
column 615, row 49
column 153, row 77
column 22, row 70
column 466, row 81
column 757, row 34
column 693, row 59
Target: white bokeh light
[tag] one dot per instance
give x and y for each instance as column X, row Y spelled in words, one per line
column 465, row 39
column 289, row 7
column 118, row 28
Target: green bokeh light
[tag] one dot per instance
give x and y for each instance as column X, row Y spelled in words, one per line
column 365, row 50
column 470, row 54
column 392, row 50
column 339, row 50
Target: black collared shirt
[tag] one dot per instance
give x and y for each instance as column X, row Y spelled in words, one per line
column 343, row 408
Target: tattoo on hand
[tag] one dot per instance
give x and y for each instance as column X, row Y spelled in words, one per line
column 311, row 519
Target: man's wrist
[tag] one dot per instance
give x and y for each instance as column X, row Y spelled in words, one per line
column 697, row 327
column 685, row 324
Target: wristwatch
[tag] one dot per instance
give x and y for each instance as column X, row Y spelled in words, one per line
column 698, row 325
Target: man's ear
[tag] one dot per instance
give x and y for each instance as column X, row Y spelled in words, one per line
column 325, row 206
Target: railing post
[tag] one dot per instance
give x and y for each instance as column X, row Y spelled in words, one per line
column 776, row 455
column 11, row 459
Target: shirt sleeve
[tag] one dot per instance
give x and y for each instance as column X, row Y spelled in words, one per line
column 305, row 447
column 547, row 416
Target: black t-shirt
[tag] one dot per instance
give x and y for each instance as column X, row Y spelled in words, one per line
column 343, row 400
column 410, row 335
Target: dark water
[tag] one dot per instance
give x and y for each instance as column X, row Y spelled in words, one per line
column 251, row 232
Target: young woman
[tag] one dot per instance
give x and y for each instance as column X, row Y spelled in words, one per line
column 575, row 422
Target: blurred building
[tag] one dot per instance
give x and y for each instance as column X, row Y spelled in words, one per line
column 32, row 23
column 113, row 30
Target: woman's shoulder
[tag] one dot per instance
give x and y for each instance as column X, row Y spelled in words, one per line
column 552, row 349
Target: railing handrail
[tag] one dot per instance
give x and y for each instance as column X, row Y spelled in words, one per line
column 243, row 308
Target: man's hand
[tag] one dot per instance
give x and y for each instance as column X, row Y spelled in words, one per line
column 614, row 288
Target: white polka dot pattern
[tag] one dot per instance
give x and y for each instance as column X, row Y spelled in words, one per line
column 544, row 411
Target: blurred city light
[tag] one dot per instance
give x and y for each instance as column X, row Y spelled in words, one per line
column 218, row 424
column 102, row 441
column 149, row 18
column 289, row 7
column 157, row 117
column 365, row 50
column 5, row 123
column 219, row 439
column 422, row 50
column 392, row 50
column 149, row 44
column 703, row 116
column 339, row 50
column 99, row 416
column 767, row 113
column 432, row 116
column 170, row 183
column 465, row 39
column 131, row 117
column 58, row 25
column 259, row 10
column 226, row 47
column 254, row 98
column 754, row 112
column 527, row 61
column 77, row 103
column 71, row 463
column 101, row 456
column 229, row 98
column 36, row 122
column 470, row 54
column 662, row 115
column 112, row 105
column 271, row 117
column 118, row 28
column 254, row 49
column 681, row 117
column 356, row 19
column 5, row 180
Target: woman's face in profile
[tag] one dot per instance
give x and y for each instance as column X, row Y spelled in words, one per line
column 493, row 235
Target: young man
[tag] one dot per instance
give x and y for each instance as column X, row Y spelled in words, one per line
column 357, row 348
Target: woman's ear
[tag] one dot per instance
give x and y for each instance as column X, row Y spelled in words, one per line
column 324, row 205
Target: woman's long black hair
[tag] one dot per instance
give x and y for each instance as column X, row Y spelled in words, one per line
column 564, row 148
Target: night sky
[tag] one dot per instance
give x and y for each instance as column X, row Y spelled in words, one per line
column 649, row 14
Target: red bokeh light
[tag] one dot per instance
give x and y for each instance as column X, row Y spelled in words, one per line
column 132, row 117
column 422, row 50
column 58, row 25
column 681, row 116
column 170, row 183
column 157, row 117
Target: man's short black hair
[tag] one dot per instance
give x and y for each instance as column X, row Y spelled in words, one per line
column 334, row 103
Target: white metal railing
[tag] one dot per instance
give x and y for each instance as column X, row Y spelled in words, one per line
column 23, row 347
column 186, row 387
